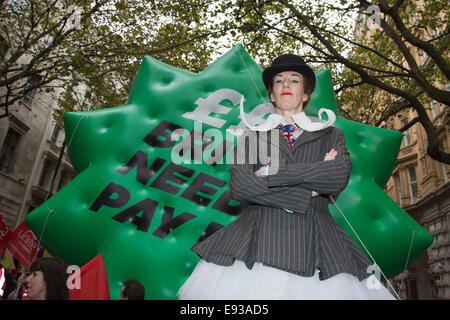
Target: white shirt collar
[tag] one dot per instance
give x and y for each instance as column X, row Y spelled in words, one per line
column 301, row 119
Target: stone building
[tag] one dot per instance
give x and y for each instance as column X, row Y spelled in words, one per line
column 420, row 185
column 30, row 146
column 30, row 143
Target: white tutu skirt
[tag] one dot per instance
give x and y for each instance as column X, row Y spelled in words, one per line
column 209, row 281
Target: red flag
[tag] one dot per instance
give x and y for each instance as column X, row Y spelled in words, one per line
column 5, row 235
column 24, row 244
column 90, row 282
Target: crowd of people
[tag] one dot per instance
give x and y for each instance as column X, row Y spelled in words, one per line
column 46, row 279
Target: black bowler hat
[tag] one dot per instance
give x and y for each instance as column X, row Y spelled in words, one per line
column 288, row 62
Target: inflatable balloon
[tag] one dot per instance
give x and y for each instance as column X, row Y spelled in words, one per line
column 153, row 176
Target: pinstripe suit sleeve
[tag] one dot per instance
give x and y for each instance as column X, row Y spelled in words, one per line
column 245, row 186
column 325, row 177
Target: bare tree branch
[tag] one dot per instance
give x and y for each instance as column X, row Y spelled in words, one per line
column 434, row 149
column 424, row 45
column 347, row 86
column 434, row 93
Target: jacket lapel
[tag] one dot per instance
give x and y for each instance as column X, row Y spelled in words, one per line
column 282, row 145
column 308, row 136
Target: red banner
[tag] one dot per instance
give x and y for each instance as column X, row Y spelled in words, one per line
column 90, row 282
column 24, row 244
column 5, row 235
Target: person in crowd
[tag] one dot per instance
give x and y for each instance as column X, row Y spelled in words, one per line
column 132, row 290
column 48, row 280
column 16, row 289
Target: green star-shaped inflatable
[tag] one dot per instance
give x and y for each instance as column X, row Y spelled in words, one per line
column 152, row 180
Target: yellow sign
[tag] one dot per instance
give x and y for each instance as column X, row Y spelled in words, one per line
column 47, row 254
column 7, row 261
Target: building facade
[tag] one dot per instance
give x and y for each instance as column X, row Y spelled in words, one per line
column 420, row 185
column 30, row 147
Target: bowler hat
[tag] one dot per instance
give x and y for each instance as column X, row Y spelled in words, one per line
column 288, row 62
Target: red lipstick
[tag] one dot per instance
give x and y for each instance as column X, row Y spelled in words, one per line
column 286, row 94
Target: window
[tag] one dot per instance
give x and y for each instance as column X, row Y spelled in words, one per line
column 415, row 17
column 30, row 89
column 444, row 171
column 412, row 183
column 8, row 151
column 436, row 32
column 406, row 134
column 434, row 109
column 45, row 175
column 62, row 180
column 399, row 188
column 3, row 47
column 423, row 56
column 55, row 134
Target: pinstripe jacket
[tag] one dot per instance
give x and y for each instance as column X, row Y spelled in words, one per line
column 282, row 225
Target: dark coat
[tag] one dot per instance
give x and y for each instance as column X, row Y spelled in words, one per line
column 283, row 226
